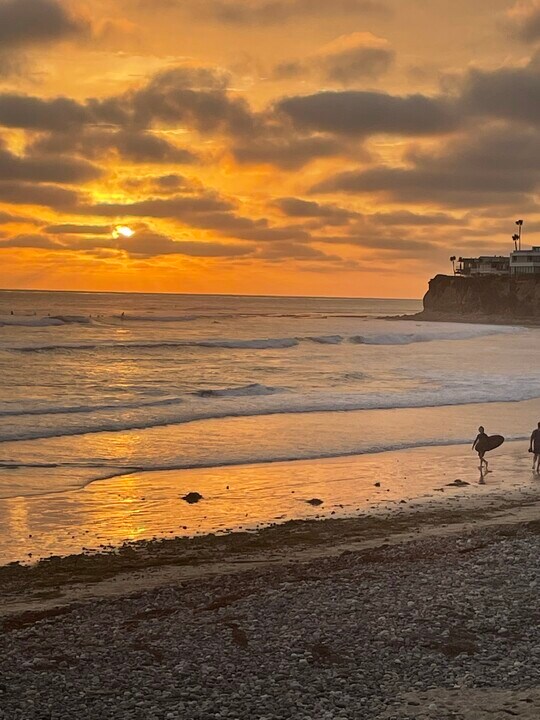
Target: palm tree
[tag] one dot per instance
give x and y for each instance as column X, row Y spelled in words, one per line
column 453, row 261
column 519, row 223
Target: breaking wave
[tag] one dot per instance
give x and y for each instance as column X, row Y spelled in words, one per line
column 30, row 321
column 369, row 338
column 252, row 390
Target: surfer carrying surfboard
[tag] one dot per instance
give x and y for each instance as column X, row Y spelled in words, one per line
column 479, row 445
column 534, row 447
column 484, row 443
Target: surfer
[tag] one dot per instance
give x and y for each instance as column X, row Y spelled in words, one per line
column 479, row 445
column 534, row 447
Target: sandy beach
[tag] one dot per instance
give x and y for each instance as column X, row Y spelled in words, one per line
column 431, row 615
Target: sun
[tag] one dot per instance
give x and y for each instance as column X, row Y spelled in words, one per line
column 122, row 231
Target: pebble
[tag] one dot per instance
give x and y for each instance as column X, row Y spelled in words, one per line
column 344, row 638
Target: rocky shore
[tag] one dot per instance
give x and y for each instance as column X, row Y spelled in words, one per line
column 446, row 626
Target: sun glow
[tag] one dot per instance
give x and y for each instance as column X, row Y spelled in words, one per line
column 122, row 231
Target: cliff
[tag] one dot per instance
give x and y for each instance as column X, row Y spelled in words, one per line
column 499, row 298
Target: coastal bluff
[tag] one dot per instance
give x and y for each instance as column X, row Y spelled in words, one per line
column 497, row 298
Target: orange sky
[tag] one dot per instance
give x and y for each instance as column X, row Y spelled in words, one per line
column 263, row 146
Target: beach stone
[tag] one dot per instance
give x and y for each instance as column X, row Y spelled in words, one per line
column 315, row 502
column 192, row 497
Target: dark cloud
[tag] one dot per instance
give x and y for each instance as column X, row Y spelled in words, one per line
column 175, row 207
column 7, row 218
column 152, row 244
column 226, row 223
column 73, row 229
column 396, row 243
column 31, row 241
column 285, row 152
column 145, row 147
column 148, row 243
column 264, row 12
column 22, row 193
column 25, row 22
column 33, row 113
column 294, row 251
column 408, row 218
column 133, row 146
column 525, row 21
column 354, row 57
column 332, row 214
column 44, row 169
column 508, row 93
column 346, row 61
column 360, row 113
column 193, row 96
column 357, row 64
column 288, row 70
column 273, row 234
column 170, row 184
column 499, row 165
column 198, row 98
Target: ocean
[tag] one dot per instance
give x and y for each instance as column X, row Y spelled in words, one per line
column 96, row 387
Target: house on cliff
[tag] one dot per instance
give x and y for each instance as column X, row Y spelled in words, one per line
column 525, row 262
column 483, row 265
column 520, row 262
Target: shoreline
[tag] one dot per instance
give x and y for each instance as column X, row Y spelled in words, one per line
column 474, row 319
column 150, row 505
column 61, row 582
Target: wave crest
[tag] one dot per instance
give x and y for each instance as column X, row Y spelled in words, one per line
column 251, row 390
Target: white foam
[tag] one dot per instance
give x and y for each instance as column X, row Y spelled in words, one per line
column 156, row 318
column 252, row 390
column 261, row 344
column 31, row 321
column 257, row 400
column 399, row 334
column 28, row 321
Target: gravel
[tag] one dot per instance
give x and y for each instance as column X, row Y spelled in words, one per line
column 430, row 629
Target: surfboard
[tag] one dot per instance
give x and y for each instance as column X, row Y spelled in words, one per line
column 490, row 443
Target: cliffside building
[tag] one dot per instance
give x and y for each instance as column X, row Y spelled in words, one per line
column 525, row 262
column 485, row 265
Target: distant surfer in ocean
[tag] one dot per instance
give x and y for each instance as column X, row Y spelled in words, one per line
column 484, row 443
column 534, row 447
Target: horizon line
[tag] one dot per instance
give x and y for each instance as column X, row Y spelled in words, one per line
column 186, row 294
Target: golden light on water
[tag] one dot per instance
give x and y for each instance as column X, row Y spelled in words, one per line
column 122, row 231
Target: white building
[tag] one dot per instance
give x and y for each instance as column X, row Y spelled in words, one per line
column 525, row 262
column 483, row 265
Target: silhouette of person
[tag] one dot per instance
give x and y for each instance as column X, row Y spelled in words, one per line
column 479, row 446
column 534, row 447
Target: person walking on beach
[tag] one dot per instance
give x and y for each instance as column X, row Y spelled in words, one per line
column 534, row 447
column 479, row 445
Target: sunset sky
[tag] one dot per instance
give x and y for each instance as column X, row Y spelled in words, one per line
column 299, row 147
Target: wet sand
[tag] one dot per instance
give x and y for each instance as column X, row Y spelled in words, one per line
column 363, row 505
column 147, row 505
